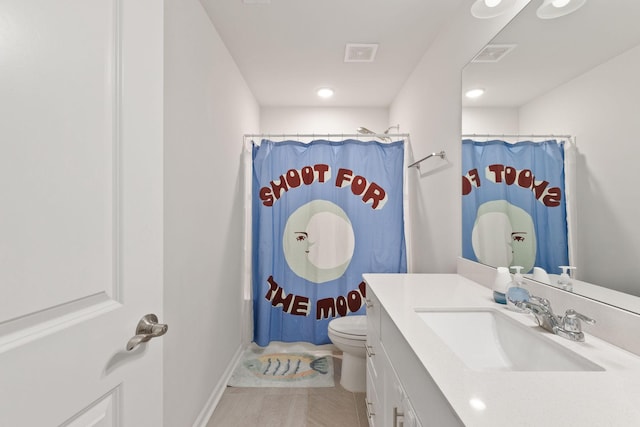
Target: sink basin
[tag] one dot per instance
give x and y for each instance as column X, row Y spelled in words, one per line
column 486, row 339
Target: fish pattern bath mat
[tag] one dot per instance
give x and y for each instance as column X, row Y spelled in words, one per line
column 260, row 368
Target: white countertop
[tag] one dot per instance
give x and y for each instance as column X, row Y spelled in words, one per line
column 601, row 398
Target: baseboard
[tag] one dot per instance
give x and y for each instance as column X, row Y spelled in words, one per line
column 218, row 390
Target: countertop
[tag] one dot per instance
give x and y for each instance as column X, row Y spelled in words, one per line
column 597, row 398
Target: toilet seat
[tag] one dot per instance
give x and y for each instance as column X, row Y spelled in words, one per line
column 350, row 327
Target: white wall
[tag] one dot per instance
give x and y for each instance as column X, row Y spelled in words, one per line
column 429, row 108
column 494, row 121
column 600, row 108
column 208, row 107
column 296, row 120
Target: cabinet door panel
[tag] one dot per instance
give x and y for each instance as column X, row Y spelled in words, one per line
column 428, row 401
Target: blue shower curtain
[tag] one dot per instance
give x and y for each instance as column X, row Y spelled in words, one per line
column 514, row 204
column 323, row 214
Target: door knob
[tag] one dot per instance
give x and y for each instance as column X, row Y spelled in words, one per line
column 148, row 327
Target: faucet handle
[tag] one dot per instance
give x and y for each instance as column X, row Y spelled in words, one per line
column 571, row 320
column 542, row 301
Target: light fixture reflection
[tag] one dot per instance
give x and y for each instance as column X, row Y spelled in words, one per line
column 484, row 9
column 474, row 93
column 551, row 9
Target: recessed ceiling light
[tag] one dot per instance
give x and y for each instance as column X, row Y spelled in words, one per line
column 492, row 3
column 474, row 93
column 490, row 8
column 551, row 9
column 325, row 92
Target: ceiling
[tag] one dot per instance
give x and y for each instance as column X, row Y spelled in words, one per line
column 552, row 52
column 287, row 49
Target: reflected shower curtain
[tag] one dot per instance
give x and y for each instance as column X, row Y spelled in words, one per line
column 323, row 214
column 514, row 204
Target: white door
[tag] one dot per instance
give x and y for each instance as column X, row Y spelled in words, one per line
column 80, row 211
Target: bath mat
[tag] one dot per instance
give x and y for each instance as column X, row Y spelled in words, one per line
column 262, row 367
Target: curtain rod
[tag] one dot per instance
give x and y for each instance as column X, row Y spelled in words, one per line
column 327, row 135
column 490, row 135
column 441, row 154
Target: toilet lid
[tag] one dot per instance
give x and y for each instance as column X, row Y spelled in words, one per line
column 355, row 326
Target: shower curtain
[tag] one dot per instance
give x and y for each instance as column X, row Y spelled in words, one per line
column 323, row 214
column 514, row 208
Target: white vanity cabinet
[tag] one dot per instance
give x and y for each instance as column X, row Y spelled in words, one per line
column 400, row 392
column 412, row 369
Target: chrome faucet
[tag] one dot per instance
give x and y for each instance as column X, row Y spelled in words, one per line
column 567, row 326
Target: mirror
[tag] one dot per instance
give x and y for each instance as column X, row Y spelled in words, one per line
column 576, row 75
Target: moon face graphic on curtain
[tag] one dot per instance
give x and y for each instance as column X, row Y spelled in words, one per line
column 318, row 241
column 504, row 235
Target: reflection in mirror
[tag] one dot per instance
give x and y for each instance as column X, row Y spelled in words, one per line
column 513, row 203
column 576, row 75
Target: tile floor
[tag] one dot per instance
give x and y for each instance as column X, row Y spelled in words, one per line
column 291, row 407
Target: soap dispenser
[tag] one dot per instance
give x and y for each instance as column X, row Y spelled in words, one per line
column 501, row 284
column 515, row 292
column 564, row 281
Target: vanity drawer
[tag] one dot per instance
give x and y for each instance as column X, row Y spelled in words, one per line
column 371, row 400
column 373, row 345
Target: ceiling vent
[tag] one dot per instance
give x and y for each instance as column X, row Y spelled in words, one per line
column 493, row 52
column 355, row 52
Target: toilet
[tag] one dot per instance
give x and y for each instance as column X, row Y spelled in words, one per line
column 349, row 334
